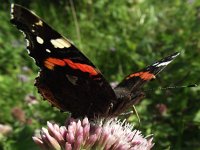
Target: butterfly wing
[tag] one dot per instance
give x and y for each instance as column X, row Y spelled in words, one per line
column 67, row 79
column 137, row 79
column 128, row 91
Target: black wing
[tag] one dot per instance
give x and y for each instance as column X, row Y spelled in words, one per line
column 128, row 91
column 135, row 80
column 67, row 78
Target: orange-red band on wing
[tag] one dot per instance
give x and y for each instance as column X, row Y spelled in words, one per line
column 56, row 61
column 143, row 75
column 82, row 67
column 51, row 62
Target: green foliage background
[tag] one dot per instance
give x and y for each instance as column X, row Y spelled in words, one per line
column 120, row 37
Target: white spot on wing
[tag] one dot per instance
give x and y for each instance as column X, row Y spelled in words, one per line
column 12, row 7
column 60, row 43
column 39, row 40
column 12, row 11
column 29, row 53
column 23, row 33
column 39, row 23
column 48, row 51
column 175, row 55
column 163, row 63
column 155, row 64
column 27, row 43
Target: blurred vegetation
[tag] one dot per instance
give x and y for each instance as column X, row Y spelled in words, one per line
column 119, row 37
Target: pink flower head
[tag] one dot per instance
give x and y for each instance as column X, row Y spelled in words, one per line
column 30, row 99
column 101, row 135
column 5, row 129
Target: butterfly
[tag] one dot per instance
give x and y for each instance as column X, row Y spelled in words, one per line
column 69, row 80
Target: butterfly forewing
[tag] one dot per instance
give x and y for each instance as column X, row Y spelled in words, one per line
column 67, row 78
column 129, row 91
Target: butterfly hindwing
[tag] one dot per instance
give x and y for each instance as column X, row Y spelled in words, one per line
column 67, row 78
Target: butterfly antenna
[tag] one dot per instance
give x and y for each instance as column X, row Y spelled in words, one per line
column 172, row 87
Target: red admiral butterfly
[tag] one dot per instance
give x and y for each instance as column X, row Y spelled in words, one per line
column 68, row 79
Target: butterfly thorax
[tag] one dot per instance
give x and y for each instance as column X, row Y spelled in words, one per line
column 126, row 99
